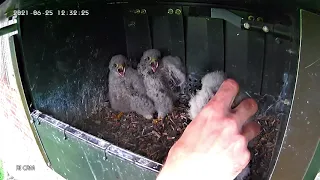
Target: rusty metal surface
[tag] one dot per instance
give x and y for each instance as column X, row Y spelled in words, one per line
column 303, row 130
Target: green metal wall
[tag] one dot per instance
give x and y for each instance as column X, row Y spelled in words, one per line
column 80, row 156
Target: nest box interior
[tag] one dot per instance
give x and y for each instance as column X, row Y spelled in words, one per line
column 65, row 67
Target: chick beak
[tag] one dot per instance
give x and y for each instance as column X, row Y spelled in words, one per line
column 121, row 70
column 154, row 64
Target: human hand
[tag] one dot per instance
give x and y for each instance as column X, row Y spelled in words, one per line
column 214, row 145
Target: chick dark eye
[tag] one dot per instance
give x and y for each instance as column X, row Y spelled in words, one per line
column 114, row 65
column 147, row 59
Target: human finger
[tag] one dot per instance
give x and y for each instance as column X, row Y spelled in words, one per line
column 245, row 110
column 224, row 97
column 250, row 130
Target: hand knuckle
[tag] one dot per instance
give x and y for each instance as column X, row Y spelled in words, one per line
column 246, row 156
column 242, row 140
column 231, row 123
column 209, row 111
column 254, row 105
column 234, row 115
column 250, row 104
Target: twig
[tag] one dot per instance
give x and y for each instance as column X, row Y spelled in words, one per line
column 171, row 138
column 172, row 127
column 154, row 153
column 172, row 122
column 143, row 131
column 156, row 134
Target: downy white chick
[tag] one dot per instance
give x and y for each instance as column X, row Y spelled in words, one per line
column 170, row 67
column 156, row 88
column 126, row 89
column 211, row 82
column 210, row 85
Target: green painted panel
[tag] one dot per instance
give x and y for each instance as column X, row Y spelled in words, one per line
column 299, row 143
column 8, row 29
column 67, row 157
column 78, row 155
column 314, row 167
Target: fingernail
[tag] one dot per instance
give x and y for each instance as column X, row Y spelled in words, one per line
column 233, row 83
column 253, row 103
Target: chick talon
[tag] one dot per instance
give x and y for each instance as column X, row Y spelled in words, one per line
column 155, row 121
column 118, row 117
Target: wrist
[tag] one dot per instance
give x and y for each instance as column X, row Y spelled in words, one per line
column 203, row 172
column 167, row 174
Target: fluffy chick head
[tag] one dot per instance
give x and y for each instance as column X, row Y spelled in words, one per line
column 213, row 80
column 151, row 58
column 117, row 65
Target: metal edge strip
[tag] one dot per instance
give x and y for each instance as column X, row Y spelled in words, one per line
column 293, row 97
column 134, row 158
column 9, row 27
column 9, row 22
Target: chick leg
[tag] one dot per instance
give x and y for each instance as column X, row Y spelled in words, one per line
column 143, row 106
column 161, row 116
column 164, row 105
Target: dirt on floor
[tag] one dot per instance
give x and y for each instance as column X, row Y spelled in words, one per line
column 153, row 141
column 262, row 146
column 140, row 135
